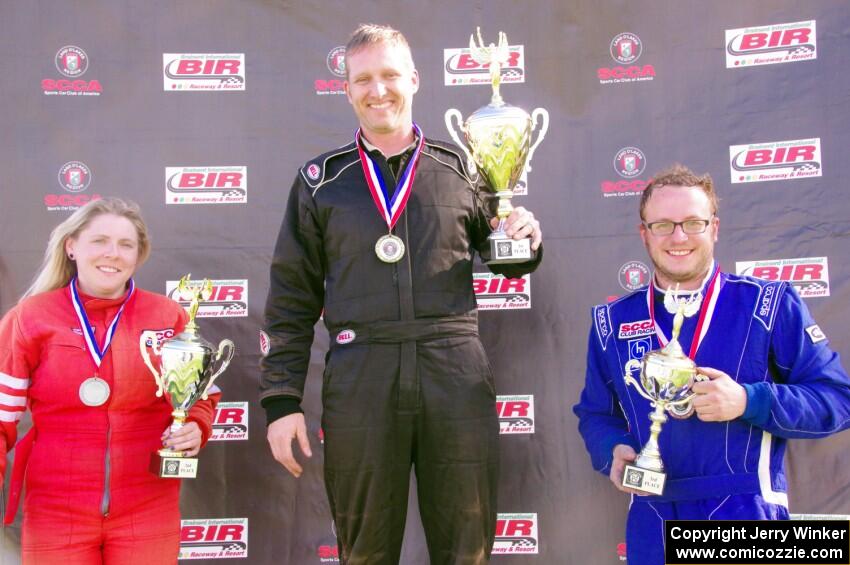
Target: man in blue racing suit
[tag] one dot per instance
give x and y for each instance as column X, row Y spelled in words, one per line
column 770, row 376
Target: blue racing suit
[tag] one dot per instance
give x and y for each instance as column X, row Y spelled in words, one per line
column 763, row 336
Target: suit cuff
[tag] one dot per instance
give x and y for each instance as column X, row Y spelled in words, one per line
column 759, row 400
column 279, row 406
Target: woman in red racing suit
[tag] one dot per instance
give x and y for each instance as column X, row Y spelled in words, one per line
column 69, row 351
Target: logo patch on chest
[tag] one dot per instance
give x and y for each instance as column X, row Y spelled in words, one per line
column 636, row 329
column 161, row 336
column 639, row 347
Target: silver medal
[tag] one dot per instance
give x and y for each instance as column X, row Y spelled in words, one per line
column 94, row 391
column 389, row 248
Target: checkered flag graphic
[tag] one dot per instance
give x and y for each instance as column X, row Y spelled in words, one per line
column 524, row 542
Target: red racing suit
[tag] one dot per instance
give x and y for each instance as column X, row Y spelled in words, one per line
column 90, row 496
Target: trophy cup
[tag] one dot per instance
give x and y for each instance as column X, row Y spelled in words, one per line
column 185, row 374
column 499, row 138
column 666, row 379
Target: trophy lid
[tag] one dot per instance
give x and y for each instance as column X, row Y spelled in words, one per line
column 502, row 112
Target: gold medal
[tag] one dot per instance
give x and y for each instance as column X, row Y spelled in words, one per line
column 389, row 248
column 94, row 391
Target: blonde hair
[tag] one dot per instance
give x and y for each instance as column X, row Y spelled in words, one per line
column 368, row 35
column 57, row 269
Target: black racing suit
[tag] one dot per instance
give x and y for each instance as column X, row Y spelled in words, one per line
column 413, row 386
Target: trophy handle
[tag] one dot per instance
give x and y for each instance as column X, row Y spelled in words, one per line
column 630, row 380
column 143, row 349
column 544, row 127
column 226, row 349
column 454, row 113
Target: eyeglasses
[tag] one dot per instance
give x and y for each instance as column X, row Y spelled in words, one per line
column 690, row 227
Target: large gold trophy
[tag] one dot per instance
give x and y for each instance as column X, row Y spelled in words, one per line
column 499, row 138
column 666, row 379
column 186, row 372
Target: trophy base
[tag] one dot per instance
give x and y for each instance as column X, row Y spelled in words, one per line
column 644, row 480
column 169, row 467
column 507, row 250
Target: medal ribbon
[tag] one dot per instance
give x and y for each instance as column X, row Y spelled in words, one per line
column 95, row 351
column 706, row 312
column 390, row 207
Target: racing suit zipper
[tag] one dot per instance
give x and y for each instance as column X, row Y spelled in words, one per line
column 107, row 471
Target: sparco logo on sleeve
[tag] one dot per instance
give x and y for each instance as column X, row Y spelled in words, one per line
column 809, row 275
column 775, row 160
column 771, row 44
column 220, row 538
column 516, row 414
column 460, row 68
column 229, row 298
column 516, row 533
column 194, row 72
column 206, row 185
column 230, row 422
column 495, row 292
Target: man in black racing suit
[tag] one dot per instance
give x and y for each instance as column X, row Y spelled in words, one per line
column 407, row 382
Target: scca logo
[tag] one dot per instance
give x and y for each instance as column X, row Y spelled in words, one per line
column 617, row 74
column 161, row 335
column 329, row 86
column 636, row 329
column 62, row 85
column 629, row 163
column 75, row 200
column 623, row 186
column 328, row 553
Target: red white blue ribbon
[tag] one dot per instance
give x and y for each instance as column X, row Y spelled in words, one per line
column 706, row 312
column 97, row 352
column 389, row 206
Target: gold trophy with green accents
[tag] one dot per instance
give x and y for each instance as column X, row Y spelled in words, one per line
column 500, row 147
column 666, row 379
column 185, row 369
